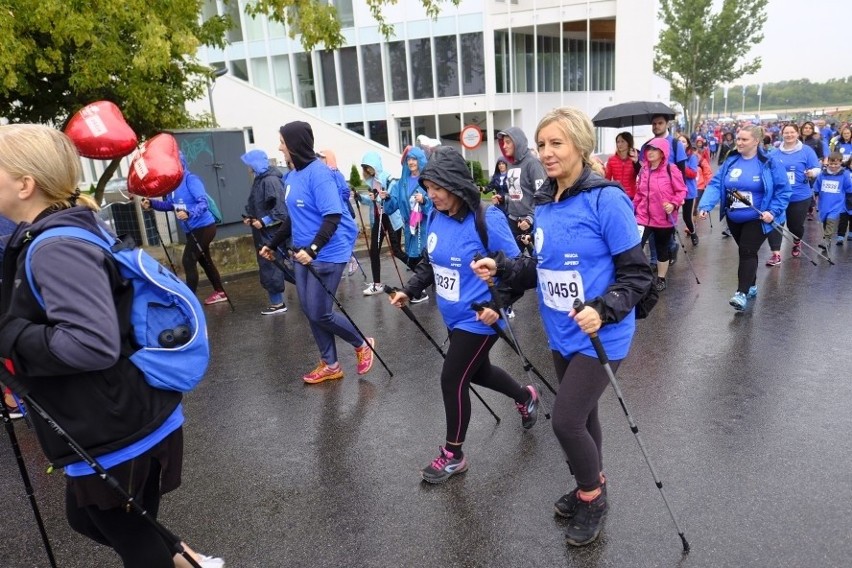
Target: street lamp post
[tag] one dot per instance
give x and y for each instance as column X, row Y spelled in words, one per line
column 211, row 83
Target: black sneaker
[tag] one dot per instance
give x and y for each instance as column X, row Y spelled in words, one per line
column 694, row 238
column 726, row 233
column 274, row 309
column 566, row 506
column 660, row 284
column 587, row 521
column 529, row 409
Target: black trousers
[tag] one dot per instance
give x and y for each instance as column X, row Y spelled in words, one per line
column 749, row 237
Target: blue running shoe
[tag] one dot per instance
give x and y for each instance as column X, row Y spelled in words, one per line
column 738, row 300
column 752, row 293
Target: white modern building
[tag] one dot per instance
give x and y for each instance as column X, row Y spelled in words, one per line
column 485, row 63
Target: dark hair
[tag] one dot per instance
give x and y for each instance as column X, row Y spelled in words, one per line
column 813, row 129
column 627, row 137
column 767, row 139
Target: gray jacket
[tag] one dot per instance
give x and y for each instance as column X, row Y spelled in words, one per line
column 524, row 177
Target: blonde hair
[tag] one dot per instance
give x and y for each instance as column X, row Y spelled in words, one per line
column 576, row 126
column 49, row 157
column 755, row 130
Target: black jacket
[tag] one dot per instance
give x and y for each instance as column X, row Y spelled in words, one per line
column 73, row 355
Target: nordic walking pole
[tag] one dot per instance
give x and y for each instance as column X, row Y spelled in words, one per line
column 173, row 541
column 204, row 255
column 785, row 232
column 407, row 311
column 604, row 359
column 683, row 247
column 381, row 211
column 528, row 366
column 313, row 271
column 22, row 467
column 160, row 238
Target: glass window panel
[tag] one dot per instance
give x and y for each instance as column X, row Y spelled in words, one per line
column 398, row 70
column 260, row 74
column 351, row 76
column 446, row 66
column 254, row 27
column 529, row 55
column 379, row 131
column 356, row 127
column 239, row 69
column 235, row 33
column 276, row 30
column 208, row 10
column 305, row 78
column 501, row 62
column 329, row 79
column 345, row 13
column 283, row 81
column 421, row 68
column 473, row 64
column 371, row 61
column 518, row 43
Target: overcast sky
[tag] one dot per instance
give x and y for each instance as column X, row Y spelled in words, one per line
column 803, row 39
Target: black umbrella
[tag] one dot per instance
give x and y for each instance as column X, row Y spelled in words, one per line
column 633, row 113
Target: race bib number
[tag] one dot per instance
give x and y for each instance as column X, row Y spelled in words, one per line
column 831, row 186
column 560, row 288
column 737, row 204
column 791, row 177
column 447, row 282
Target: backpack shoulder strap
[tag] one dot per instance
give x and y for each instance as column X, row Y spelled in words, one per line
column 74, row 232
column 481, row 224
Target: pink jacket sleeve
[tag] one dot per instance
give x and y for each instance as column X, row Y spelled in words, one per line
column 678, row 186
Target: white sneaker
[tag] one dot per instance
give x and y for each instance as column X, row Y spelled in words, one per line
column 373, row 289
column 510, row 312
column 210, row 562
column 352, row 266
column 422, row 298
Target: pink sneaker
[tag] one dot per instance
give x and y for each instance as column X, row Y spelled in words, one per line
column 215, row 298
column 365, row 356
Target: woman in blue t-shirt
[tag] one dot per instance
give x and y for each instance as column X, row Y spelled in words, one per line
column 454, row 237
column 323, row 237
column 802, row 166
column 586, row 247
column 748, row 177
column 844, row 146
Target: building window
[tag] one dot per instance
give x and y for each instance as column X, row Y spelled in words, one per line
column 355, row 127
column 239, row 69
column 208, row 10
column 473, row 64
column 447, row 66
column 374, row 84
column 329, row 78
column 254, row 27
column 501, row 61
column 235, row 32
column 421, row 68
column 305, row 78
column 379, row 131
column 345, row 13
column 260, row 74
column 351, row 76
column 281, row 76
column 398, row 71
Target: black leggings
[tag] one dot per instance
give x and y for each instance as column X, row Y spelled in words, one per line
column 467, row 362
column 200, row 238
column 134, row 539
column 843, row 225
column 662, row 238
column 381, row 227
column 749, row 237
column 797, row 211
column 687, row 214
column 582, row 381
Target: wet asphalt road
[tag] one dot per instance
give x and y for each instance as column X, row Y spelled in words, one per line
column 745, row 416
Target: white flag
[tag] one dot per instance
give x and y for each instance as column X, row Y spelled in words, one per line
column 726, row 92
column 760, row 89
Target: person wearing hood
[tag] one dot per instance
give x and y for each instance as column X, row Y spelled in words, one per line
column 381, row 223
column 748, row 175
column 660, row 191
column 499, row 184
column 587, row 248
column 802, row 166
column 525, row 176
column 323, row 237
column 265, row 210
column 407, row 197
column 454, row 238
column 71, row 354
column 189, row 202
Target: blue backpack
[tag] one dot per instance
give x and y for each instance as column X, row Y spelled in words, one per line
column 167, row 319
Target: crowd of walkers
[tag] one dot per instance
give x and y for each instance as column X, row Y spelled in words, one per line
column 559, row 222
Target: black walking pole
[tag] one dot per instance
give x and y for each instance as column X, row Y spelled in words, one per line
column 528, row 366
column 205, row 256
column 407, row 311
column 683, row 247
column 604, row 359
column 313, row 271
column 160, row 238
column 16, row 449
column 785, row 232
column 173, row 541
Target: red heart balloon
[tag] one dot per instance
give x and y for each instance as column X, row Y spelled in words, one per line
column 99, row 131
column 155, row 168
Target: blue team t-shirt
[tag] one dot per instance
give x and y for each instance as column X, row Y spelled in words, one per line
column 744, row 176
column 832, row 189
column 451, row 246
column 311, row 193
column 845, row 148
column 691, row 183
column 796, row 163
column 575, row 242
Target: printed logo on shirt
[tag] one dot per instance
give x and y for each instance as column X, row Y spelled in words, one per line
column 431, row 242
column 538, row 184
column 287, row 191
column 736, row 173
column 513, row 181
column 538, row 240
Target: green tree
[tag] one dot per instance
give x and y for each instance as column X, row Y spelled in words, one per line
column 699, row 49
column 318, row 21
column 58, row 56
